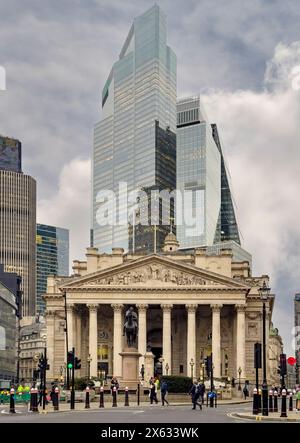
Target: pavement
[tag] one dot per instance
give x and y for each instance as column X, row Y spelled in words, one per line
column 292, row 416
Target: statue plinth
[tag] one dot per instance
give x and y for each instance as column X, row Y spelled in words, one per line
column 130, row 365
column 149, row 367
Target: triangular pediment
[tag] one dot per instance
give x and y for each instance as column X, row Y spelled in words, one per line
column 154, row 271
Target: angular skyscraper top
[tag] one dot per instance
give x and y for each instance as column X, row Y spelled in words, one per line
column 10, row 154
column 139, row 101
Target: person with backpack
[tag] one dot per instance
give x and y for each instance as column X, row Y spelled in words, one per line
column 164, row 392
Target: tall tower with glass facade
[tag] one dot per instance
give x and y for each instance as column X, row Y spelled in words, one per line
column 18, row 221
column 198, row 173
column 52, row 247
column 135, row 141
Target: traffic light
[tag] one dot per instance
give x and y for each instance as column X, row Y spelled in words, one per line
column 283, row 369
column 77, row 363
column 207, row 362
column 70, row 360
column 19, row 294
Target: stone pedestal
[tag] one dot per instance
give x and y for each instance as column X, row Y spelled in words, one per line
column 149, row 367
column 130, row 365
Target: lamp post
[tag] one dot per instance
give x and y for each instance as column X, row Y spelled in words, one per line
column 264, row 294
column 89, row 359
column 167, row 367
column 192, row 368
column 240, row 372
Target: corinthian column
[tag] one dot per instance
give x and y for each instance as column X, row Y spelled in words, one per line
column 167, row 334
column 191, row 339
column 240, row 340
column 117, row 339
column 142, row 332
column 216, row 339
column 70, row 325
column 93, row 339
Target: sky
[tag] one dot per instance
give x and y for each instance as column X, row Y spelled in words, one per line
column 242, row 57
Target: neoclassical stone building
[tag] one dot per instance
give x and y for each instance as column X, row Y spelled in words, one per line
column 188, row 305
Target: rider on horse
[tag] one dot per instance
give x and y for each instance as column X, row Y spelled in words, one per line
column 131, row 324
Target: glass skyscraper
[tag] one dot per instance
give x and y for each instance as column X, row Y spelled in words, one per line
column 199, row 173
column 52, row 246
column 137, row 132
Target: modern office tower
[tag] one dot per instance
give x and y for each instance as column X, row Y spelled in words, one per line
column 198, row 175
column 17, row 232
column 52, row 258
column 297, row 336
column 135, row 139
column 227, row 229
column 10, row 154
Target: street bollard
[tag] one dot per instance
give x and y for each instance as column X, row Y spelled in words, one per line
column 126, row 397
column 259, row 400
column 12, row 409
column 87, row 398
column 101, row 405
column 255, row 402
column 275, row 407
column 34, row 399
column 216, row 396
column 114, row 396
column 283, row 403
column 211, row 399
column 138, row 394
column 291, row 401
column 56, row 399
column 271, row 400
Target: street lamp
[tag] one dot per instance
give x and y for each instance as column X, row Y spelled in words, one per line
column 167, row 367
column 240, row 372
column 264, row 294
column 192, row 367
column 89, row 359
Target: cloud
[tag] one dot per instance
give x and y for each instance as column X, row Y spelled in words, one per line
column 261, row 133
column 70, row 206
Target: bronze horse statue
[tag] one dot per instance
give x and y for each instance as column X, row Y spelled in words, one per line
column 130, row 328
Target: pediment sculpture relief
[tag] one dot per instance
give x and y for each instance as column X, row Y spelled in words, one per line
column 152, row 273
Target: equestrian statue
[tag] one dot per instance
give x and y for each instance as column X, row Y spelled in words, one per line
column 130, row 327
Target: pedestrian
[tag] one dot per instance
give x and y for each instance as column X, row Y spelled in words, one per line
column 114, row 384
column 194, row 392
column 298, row 400
column 152, row 393
column 201, row 388
column 157, row 386
column 245, row 392
column 164, row 392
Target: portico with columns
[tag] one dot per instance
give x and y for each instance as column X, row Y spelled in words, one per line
column 186, row 311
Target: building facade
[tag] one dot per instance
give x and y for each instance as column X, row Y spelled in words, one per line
column 8, row 330
column 32, row 345
column 297, row 336
column 199, row 173
column 275, row 349
column 136, row 135
column 10, row 154
column 18, row 231
column 52, row 249
column 188, row 306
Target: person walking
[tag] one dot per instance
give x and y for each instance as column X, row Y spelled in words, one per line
column 201, row 388
column 152, row 393
column 298, row 400
column 164, row 393
column 245, row 392
column 194, row 392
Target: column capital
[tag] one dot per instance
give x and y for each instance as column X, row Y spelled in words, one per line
column 240, row 308
column 166, row 307
column 215, row 307
column 117, row 307
column 142, row 307
column 70, row 306
column 92, row 306
column 191, row 307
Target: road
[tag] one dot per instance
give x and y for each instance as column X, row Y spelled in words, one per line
column 142, row 414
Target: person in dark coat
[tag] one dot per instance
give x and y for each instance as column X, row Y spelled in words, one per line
column 153, row 388
column 201, row 389
column 164, row 392
column 194, row 392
